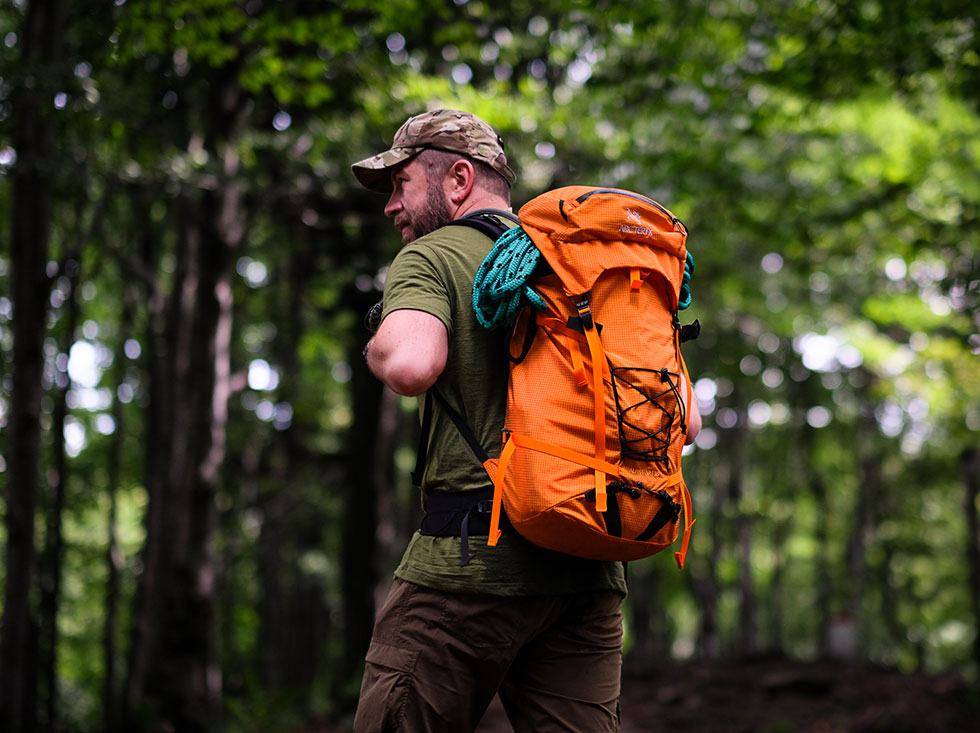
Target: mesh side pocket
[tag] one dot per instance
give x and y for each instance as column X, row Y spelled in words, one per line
column 647, row 403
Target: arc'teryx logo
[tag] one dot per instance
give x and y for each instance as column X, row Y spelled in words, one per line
column 630, row 229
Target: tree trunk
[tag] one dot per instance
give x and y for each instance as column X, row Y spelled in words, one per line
column 893, row 596
column 862, row 529
column 239, row 664
column 161, row 342
column 52, row 556
column 173, row 664
column 399, row 510
column 970, row 465
column 366, row 451
column 30, row 216
column 292, row 631
column 814, row 483
column 707, row 586
column 359, row 549
column 777, row 592
column 174, row 676
column 186, row 678
column 111, row 712
column 745, row 641
column 652, row 632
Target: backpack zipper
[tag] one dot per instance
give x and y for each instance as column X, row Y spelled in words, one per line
column 581, row 199
column 673, row 219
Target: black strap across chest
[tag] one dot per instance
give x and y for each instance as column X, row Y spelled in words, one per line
column 451, row 513
column 487, row 221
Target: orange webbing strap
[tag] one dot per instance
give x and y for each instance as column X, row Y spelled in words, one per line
column 490, row 466
column 688, row 502
column 578, row 364
column 498, row 490
column 549, row 322
column 558, row 451
column 599, row 401
column 688, row 524
column 513, row 441
column 636, row 279
column 573, row 341
column 674, row 479
column 686, row 375
column 690, row 393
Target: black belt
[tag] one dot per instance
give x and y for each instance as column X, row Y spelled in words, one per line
column 460, row 514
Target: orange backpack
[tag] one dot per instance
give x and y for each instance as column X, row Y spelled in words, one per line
column 596, row 420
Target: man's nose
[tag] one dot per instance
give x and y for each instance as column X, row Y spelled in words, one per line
column 393, row 206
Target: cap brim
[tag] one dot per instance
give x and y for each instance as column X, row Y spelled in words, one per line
column 374, row 173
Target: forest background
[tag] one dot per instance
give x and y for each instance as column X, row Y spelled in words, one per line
column 205, row 491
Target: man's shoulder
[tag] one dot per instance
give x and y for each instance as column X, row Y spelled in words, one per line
column 460, row 230
column 450, row 234
column 451, row 246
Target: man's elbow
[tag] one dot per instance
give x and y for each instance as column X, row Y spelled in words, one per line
column 409, row 351
column 409, row 379
column 694, row 427
column 408, row 385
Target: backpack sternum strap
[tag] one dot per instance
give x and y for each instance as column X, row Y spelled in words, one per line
column 583, row 304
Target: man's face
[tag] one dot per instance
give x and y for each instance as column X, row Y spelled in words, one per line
column 417, row 205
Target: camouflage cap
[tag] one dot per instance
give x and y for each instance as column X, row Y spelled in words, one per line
column 442, row 129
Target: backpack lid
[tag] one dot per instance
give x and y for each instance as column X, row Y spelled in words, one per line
column 582, row 231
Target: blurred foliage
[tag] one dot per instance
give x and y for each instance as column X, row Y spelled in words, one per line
column 823, row 155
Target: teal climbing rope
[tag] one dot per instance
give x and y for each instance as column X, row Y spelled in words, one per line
column 685, row 296
column 500, row 287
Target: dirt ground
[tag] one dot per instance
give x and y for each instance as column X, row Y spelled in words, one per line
column 776, row 696
column 785, row 697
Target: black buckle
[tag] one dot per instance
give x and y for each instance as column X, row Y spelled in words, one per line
column 584, row 310
column 691, row 331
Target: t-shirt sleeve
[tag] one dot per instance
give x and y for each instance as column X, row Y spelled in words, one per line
column 415, row 281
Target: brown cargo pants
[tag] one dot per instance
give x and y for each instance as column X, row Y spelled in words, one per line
column 436, row 660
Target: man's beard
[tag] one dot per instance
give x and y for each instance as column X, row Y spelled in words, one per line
column 434, row 215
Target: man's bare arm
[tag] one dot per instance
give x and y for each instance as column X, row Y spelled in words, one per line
column 409, row 351
column 694, row 414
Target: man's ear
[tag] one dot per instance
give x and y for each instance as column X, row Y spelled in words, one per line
column 459, row 181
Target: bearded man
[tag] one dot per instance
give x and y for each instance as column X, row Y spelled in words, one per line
column 464, row 621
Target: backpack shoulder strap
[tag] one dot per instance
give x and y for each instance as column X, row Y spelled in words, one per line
column 486, row 221
column 426, row 429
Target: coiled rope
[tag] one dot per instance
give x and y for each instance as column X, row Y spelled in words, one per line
column 685, row 295
column 500, row 287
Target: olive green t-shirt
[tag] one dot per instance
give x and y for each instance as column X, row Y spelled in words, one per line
column 435, row 274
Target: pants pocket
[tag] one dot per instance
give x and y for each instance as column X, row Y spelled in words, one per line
column 388, row 678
